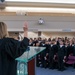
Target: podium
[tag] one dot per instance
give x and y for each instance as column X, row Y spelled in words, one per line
column 26, row 63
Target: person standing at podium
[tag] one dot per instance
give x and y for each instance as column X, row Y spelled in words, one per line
column 10, row 49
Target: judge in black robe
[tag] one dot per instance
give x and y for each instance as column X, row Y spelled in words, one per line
column 10, row 49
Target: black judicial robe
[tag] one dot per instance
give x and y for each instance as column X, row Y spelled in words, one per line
column 9, row 50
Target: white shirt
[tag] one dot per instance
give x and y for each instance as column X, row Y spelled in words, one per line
column 51, row 45
column 61, row 46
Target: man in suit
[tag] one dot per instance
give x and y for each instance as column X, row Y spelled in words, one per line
column 52, row 54
column 61, row 56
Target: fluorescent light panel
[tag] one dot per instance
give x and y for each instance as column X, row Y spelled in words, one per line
column 49, row 1
column 38, row 9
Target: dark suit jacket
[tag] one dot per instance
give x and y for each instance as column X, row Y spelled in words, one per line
column 61, row 52
column 53, row 50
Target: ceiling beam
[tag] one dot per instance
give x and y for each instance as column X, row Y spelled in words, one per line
column 36, row 14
